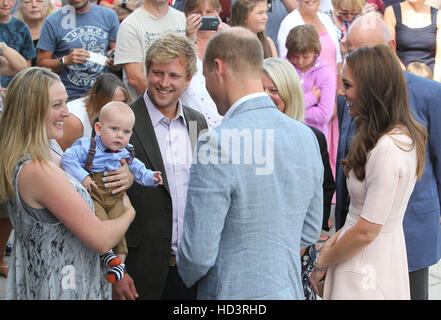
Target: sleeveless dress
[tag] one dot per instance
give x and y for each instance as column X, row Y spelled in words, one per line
column 416, row 44
column 380, row 270
column 48, row 261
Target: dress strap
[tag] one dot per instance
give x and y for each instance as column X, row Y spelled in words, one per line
column 397, row 12
column 433, row 14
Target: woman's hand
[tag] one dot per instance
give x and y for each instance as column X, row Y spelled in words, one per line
column 121, row 178
column 222, row 25
column 194, row 22
column 315, row 278
column 329, row 243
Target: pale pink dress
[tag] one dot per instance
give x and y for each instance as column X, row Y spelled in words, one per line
column 380, row 270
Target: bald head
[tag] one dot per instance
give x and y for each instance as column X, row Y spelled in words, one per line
column 368, row 30
column 116, row 109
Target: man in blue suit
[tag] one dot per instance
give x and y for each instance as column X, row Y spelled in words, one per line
column 422, row 217
column 255, row 194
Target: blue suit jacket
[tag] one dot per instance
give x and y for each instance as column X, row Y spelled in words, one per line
column 422, row 217
column 246, row 219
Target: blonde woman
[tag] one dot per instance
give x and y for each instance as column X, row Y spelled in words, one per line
column 281, row 82
column 252, row 14
column 34, row 13
column 56, row 233
column 342, row 14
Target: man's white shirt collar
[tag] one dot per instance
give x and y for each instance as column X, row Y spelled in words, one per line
column 240, row 101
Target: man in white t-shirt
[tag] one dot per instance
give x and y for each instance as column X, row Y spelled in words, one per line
column 146, row 24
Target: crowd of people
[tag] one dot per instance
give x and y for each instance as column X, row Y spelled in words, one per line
column 148, row 156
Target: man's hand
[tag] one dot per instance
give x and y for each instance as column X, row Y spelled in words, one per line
column 124, row 289
column 77, row 56
column 110, row 62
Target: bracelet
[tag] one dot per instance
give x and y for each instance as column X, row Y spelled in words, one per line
column 316, row 267
column 3, row 46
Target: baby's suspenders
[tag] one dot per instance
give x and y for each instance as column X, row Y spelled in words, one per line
column 92, row 151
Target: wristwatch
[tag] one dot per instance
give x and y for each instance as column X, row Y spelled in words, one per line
column 61, row 62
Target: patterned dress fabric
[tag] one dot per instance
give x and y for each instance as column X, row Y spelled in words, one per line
column 48, row 261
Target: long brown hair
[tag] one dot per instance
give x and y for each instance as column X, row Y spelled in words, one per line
column 381, row 105
column 102, row 92
column 239, row 13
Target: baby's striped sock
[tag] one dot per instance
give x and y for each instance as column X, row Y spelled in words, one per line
column 115, row 273
column 109, row 259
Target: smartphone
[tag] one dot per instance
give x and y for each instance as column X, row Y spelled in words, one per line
column 209, row 23
column 269, row 5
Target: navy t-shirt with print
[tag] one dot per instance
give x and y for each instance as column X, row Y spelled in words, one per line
column 64, row 31
column 16, row 34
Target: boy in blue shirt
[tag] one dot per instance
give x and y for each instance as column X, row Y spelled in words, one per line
column 88, row 158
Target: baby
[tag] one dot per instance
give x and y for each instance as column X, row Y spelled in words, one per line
column 87, row 160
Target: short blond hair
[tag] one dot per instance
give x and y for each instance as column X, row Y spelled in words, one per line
column 355, row 5
column 238, row 47
column 170, row 47
column 19, row 14
column 420, row 69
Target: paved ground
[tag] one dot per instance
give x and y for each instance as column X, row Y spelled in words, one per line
column 434, row 281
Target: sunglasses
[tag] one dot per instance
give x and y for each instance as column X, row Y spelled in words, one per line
column 345, row 13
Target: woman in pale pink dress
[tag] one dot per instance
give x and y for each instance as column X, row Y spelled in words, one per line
column 367, row 258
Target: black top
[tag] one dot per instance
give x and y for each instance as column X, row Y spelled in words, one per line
column 415, row 44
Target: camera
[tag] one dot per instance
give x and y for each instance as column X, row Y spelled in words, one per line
column 209, row 23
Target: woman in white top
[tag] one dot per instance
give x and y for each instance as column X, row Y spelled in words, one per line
column 307, row 13
column 83, row 111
